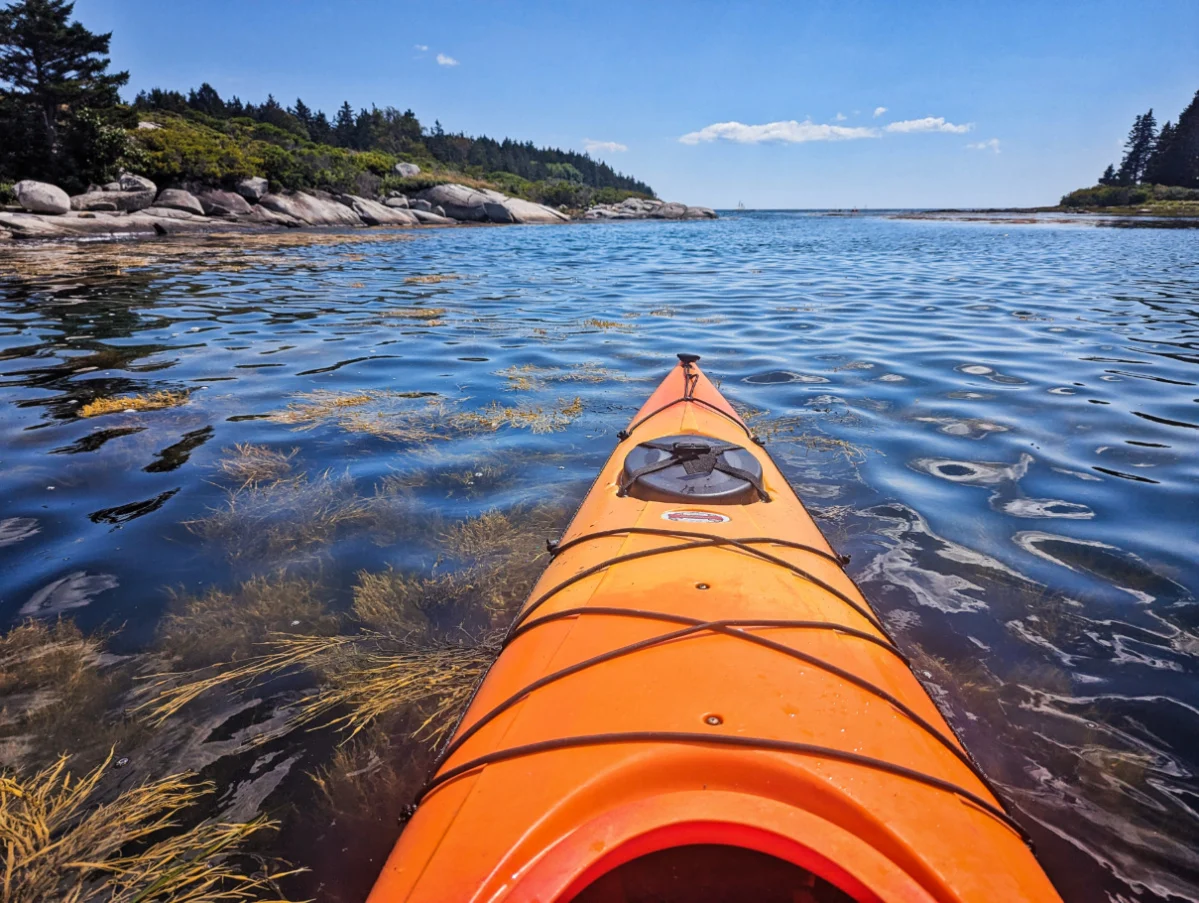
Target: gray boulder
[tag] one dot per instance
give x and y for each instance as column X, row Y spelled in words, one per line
column 310, row 210
column 523, row 211
column 699, row 213
column 398, row 201
column 498, row 213
column 178, row 199
column 93, row 201
column 253, row 189
column 408, row 170
column 124, row 201
column 439, row 210
column 428, row 218
column 669, row 211
column 265, row 217
column 460, row 202
column 161, row 211
column 154, row 220
column 130, row 182
column 375, row 214
column 42, row 197
column 110, row 186
column 420, row 204
column 223, row 203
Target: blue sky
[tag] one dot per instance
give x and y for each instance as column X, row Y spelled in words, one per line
column 772, row 104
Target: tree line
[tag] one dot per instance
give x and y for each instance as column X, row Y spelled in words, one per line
column 62, row 120
column 1169, row 157
column 398, row 133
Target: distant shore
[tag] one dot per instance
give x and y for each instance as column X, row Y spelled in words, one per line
column 1142, row 217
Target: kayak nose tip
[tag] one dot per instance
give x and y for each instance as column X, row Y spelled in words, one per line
column 687, row 359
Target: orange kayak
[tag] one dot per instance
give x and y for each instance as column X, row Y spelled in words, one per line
column 697, row 704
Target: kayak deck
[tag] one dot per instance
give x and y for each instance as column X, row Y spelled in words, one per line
column 699, row 676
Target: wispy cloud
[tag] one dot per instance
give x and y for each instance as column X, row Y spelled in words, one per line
column 840, row 117
column 612, row 147
column 443, row 60
column 789, row 131
column 878, row 111
column 421, row 47
column 928, row 124
column 991, row 144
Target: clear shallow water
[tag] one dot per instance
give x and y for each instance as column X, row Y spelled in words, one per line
column 999, row 422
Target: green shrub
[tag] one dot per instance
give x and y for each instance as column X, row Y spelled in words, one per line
column 1127, row 195
column 184, row 151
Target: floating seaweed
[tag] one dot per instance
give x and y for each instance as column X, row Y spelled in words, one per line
column 536, row 418
column 129, row 404
column 250, row 465
column 431, row 278
column 289, row 516
column 430, row 314
column 396, row 416
column 530, row 377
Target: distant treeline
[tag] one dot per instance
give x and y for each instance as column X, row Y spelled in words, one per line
column 399, row 134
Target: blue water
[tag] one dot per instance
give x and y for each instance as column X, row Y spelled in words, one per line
column 997, row 420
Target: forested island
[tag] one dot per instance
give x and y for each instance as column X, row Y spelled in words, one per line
column 1159, row 172
column 71, row 147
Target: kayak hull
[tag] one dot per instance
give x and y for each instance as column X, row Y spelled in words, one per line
column 689, row 674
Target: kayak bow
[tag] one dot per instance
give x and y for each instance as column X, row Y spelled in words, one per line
column 696, row 703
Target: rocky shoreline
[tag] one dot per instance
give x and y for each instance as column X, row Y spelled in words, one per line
column 133, row 207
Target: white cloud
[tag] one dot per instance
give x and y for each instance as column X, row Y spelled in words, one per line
column 789, row 131
column 840, row 117
column 878, row 111
column 443, row 60
column 991, row 144
column 612, row 147
column 928, row 124
column 421, row 47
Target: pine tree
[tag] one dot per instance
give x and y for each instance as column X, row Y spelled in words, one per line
column 57, row 80
column 1137, row 149
column 303, row 114
column 320, row 130
column 53, row 62
column 343, row 125
column 1175, row 160
column 1158, row 164
column 1109, row 176
column 205, row 99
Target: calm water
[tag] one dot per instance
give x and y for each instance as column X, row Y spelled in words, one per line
column 998, row 421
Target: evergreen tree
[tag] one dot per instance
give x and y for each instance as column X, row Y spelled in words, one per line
column 54, row 80
column 320, row 130
column 343, row 126
column 206, row 100
column 1109, row 176
column 1175, row 160
column 1157, row 166
column 1137, row 149
column 303, row 115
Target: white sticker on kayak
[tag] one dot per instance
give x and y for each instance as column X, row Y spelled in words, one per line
column 696, row 517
